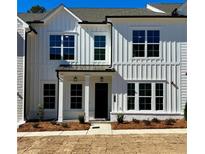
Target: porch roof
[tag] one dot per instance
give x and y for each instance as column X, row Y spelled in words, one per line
column 85, row 68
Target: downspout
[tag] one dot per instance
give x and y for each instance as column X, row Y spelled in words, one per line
column 110, row 42
column 57, row 93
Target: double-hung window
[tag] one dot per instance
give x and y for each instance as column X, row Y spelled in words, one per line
column 76, row 96
column 145, row 43
column 130, row 96
column 152, row 43
column 145, row 96
column 49, row 96
column 55, row 47
column 99, row 47
column 159, row 96
column 62, row 47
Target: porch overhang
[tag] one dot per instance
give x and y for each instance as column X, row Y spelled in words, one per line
column 85, row 68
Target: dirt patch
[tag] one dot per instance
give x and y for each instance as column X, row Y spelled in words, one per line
column 52, row 126
column 180, row 123
column 143, row 144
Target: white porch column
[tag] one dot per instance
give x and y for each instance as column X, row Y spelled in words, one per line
column 60, row 101
column 87, row 95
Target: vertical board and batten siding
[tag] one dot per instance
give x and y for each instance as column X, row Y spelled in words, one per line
column 169, row 67
column 42, row 70
column 20, row 70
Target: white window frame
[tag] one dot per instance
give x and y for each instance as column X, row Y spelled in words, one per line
column 75, row 34
column 107, row 44
column 139, row 43
column 146, row 42
column 153, row 97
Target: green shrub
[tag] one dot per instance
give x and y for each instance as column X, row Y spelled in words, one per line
column 135, row 120
column 35, row 125
column 65, row 125
column 81, row 119
column 185, row 112
column 155, row 120
column 120, row 118
column 146, row 122
column 170, row 121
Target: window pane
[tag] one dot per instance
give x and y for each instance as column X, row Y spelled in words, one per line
column 153, row 36
column 55, row 53
column 144, row 103
column 130, row 103
column 99, row 54
column 145, row 89
column 55, row 40
column 68, row 40
column 68, row 53
column 138, row 50
column 131, row 89
column 159, row 89
column 139, row 36
column 153, row 50
column 99, row 41
column 159, row 103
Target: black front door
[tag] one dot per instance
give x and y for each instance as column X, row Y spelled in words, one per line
column 101, row 100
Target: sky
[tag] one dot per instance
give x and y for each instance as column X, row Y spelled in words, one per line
column 24, row 5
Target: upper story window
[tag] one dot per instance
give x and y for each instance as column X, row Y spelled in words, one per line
column 99, row 47
column 139, row 43
column 62, row 47
column 146, row 43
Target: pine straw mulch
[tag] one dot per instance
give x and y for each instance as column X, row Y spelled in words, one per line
column 52, row 126
column 180, row 123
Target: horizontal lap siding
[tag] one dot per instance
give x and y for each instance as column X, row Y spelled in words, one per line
column 166, row 68
column 183, row 75
column 20, row 71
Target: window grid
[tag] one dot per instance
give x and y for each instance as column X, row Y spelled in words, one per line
column 76, row 96
column 138, row 43
column 159, row 96
column 99, row 47
column 148, row 46
column 49, row 96
column 145, row 96
column 130, row 96
column 62, row 47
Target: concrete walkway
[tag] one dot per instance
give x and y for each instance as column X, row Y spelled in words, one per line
column 102, row 129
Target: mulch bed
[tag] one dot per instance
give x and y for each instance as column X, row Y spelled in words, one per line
column 52, row 126
column 180, row 123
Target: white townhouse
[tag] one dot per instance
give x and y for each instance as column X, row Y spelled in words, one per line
column 102, row 61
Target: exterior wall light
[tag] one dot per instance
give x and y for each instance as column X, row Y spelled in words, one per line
column 101, row 79
column 75, row 79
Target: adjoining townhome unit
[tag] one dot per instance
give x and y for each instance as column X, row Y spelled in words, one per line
column 102, row 62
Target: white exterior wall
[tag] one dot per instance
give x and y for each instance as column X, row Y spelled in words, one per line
column 42, row 70
column 169, row 67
